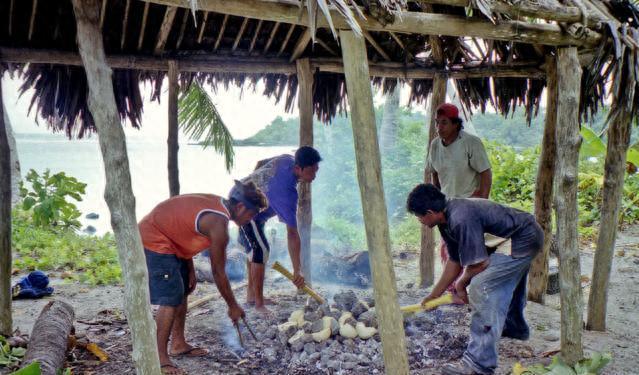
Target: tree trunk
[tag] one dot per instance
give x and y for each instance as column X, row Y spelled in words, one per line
column 618, row 141
column 390, row 122
column 49, row 337
column 6, row 324
column 304, row 205
column 427, row 255
column 172, row 140
column 369, row 175
column 538, row 279
column 568, row 143
column 118, row 193
column 15, row 161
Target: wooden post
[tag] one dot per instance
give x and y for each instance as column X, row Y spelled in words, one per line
column 538, row 279
column 118, row 193
column 618, row 141
column 304, row 206
column 6, row 323
column 172, row 140
column 568, row 143
column 369, row 175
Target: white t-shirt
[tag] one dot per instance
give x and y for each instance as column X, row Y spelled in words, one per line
column 458, row 165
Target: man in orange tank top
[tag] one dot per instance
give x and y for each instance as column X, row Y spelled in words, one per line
column 172, row 234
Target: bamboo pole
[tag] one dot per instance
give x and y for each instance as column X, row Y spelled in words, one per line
column 568, row 143
column 6, row 322
column 304, row 206
column 220, row 34
column 306, row 289
column 538, row 279
column 238, row 37
column 118, row 193
column 172, row 140
column 165, row 29
column 369, row 175
column 618, row 142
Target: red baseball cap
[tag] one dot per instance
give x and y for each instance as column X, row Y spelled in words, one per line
column 448, row 110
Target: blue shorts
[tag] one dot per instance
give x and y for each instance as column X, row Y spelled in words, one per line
column 168, row 278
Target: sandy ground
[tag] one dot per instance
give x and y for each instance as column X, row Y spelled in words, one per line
column 99, row 317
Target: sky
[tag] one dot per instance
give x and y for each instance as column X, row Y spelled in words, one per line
column 244, row 113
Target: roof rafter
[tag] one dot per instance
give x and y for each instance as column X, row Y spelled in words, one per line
column 221, row 33
column 165, row 29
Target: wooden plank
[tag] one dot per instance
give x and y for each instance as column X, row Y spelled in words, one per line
column 221, row 33
column 304, row 207
column 375, row 45
column 301, row 44
column 360, row 98
column 165, row 29
column 286, row 39
column 118, row 193
column 185, row 19
column 257, row 33
column 221, row 64
column 32, row 20
column 538, row 274
column 270, row 38
column 145, row 15
column 405, row 22
column 125, row 22
column 172, row 140
column 200, row 33
column 614, row 173
column 6, row 321
column 568, row 143
column 239, row 34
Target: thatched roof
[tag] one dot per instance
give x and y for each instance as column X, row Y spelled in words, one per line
column 133, row 31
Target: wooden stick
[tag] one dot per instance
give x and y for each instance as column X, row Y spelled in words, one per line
column 33, row 14
column 185, row 18
column 239, row 34
column 125, row 22
column 145, row 15
column 165, row 29
column 279, row 268
column 221, row 33
column 200, row 34
column 285, row 43
column 375, row 45
column 270, row 38
column 209, row 297
column 102, row 13
column 257, row 32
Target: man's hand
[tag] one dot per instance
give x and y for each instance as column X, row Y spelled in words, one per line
column 428, row 298
column 236, row 313
column 298, row 279
column 192, row 279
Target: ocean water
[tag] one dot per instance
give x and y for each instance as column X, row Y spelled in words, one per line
column 201, row 170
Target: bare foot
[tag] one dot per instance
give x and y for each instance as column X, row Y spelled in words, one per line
column 171, row 369
column 263, row 310
column 457, row 300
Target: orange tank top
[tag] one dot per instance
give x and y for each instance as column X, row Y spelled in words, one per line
column 172, row 226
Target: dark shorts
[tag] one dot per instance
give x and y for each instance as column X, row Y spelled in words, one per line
column 168, row 278
column 252, row 237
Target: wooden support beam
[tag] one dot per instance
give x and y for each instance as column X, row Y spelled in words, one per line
column 118, row 193
column 33, row 15
column 165, row 29
column 286, row 39
column 185, row 19
column 145, row 15
column 615, row 168
column 538, row 274
column 301, row 44
column 304, row 207
column 270, row 38
column 376, row 45
column 103, row 13
column 367, row 155
column 219, row 64
column 238, row 38
column 405, row 22
column 568, row 143
column 200, row 32
column 125, row 23
column 221, row 33
column 6, row 322
column 325, row 46
column 172, row 140
column 257, row 33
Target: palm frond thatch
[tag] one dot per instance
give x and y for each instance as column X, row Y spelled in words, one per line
column 198, row 117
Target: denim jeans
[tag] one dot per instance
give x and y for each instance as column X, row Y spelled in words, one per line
column 497, row 297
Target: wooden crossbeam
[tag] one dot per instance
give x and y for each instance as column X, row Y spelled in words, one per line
column 165, row 29
column 270, row 38
column 125, row 22
column 238, row 38
column 145, row 14
column 301, row 44
column 405, row 22
column 257, row 33
column 32, row 21
column 376, row 45
column 221, row 33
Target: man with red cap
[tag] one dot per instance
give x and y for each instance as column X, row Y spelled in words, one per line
column 457, row 160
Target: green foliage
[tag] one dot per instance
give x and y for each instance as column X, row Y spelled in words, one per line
column 198, row 116
column 46, row 197
column 32, row 368
column 88, row 259
column 8, row 355
column 587, row 366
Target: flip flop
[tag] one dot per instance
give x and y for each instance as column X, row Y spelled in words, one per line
column 171, row 370
column 193, row 352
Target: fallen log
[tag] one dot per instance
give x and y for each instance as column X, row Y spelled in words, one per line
column 49, row 337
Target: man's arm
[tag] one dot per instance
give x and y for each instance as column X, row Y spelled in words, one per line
column 485, row 182
column 469, row 272
column 216, row 228
column 294, row 250
column 436, row 180
column 451, row 270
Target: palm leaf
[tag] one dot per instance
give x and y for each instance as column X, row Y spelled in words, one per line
column 198, row 117
column 592, row 145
